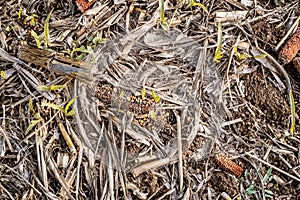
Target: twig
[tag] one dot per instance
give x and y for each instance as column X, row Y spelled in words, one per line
column 179, row 142
column 288, row 33
column 273, row 167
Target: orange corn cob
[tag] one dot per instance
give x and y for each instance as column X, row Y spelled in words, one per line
column 291, row 48
column 228, row 165
column 296, row 63
column 84, row 4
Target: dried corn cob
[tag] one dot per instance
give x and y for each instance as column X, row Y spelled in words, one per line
column 228, row 165
column 296, row 63
column 84, row 4
column 291, row 48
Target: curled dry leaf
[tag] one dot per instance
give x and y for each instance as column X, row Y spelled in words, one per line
column 291, row 48
column 84, row 4
column 228, row 165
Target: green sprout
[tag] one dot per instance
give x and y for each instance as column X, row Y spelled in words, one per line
column 32, row 19
column 36, row 120
column 81, row 49
column 163, row 21
column 46, row 28
column 20, row 12
column 244, row 56
column 2, row 74
column 219, row 54
column 193, row 3
column 155, row 97
column 252, row 188
column 64, row 110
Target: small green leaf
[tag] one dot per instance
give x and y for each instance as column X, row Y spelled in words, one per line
column 269, row 192
column 143, row 93
column 90, row 38
column 71, row 113
column 239, row 55
column 163, row 21
column 57, row 87
column 219, row 54
column 82, row 49
column 250, row 190
column 259, row 170
column 32, row 22
column 69, row 104
column 268, row 196
column 193, row 3
column 43, row 88
column 27, row 19
column 20, row 12
column 98, row 39
column 261, row 56
column 152, row 115
column 54, row 106
column 8, row 29
column 37, row 116
column 165, row 25
column 46, row 28
column 267, row 175
column 32, row 124
column 155, row 97
column 122, row 95
column 80, row 57
column 246, row 172
column 37, row 39
column 161, row 10
column 31, row 105
column 2, row 74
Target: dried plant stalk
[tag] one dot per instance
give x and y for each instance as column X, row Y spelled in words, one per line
column 228, row 165
column 291, row 48
column 67, row 138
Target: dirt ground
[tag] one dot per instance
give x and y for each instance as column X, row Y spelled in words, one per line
column 150, row 116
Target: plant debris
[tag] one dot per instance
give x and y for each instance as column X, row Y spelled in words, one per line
column 132, row 99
